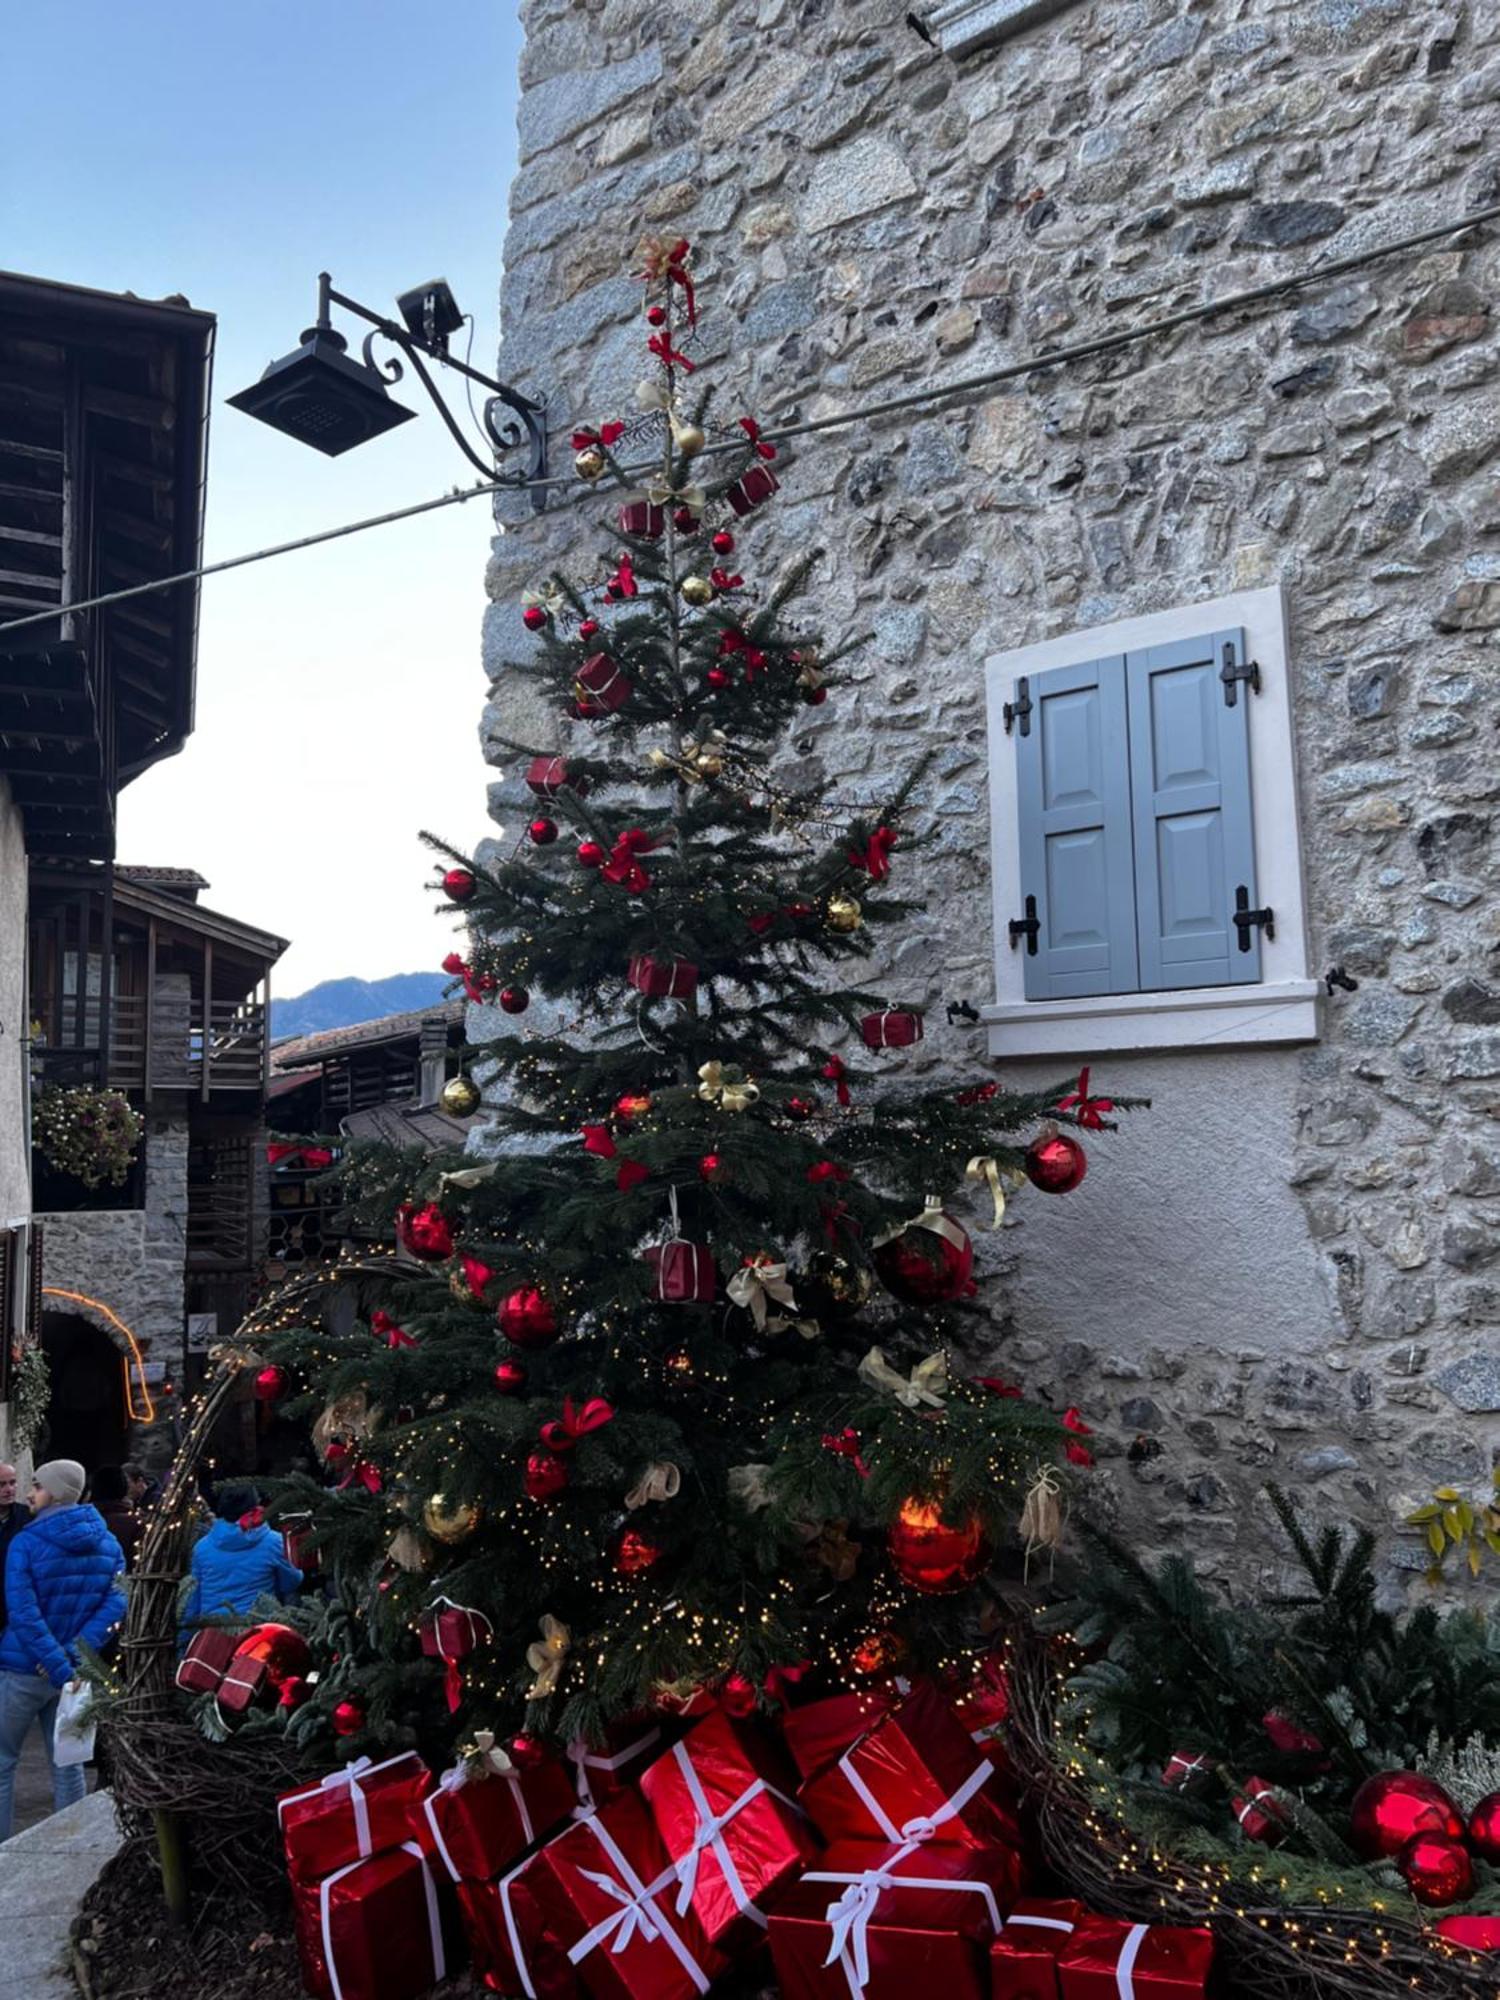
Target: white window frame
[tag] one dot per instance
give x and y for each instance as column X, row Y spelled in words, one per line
column 956, row 26
column 1283, row 1005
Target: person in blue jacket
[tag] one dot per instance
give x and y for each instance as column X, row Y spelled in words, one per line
column 238, row 1560
column 61, row 1592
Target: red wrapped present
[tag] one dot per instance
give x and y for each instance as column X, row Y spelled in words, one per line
column 603, row 1888
column 685, row 1272
column 896, row 1028
column 1109, row 1959
column 733, row 1836
column 600, row 687
column 297, row 1544
column 751, row 489
column 1186, row 1771
column 603, row 1771
column 361, row 1809
column 875, row 1922
column 202, row 1666
column 379, row 1929
column 485, row 1811
column 644, row 520
column 820, row 1731
column 663, row 978
column 915, row 1774
column 1260, row 1813
column 450, row 1632
column 1023, row 1959
column 246, row 1676
column 547, row 776
column 510, row 1947
column 1472, row 1933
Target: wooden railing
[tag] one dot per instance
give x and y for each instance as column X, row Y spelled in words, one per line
column 234, row 1047
column 175, row 1044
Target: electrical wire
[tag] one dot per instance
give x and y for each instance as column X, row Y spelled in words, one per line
column 969, row 385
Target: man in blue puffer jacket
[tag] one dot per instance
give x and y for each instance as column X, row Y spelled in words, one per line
column 60, row 1593
column 238, row 1560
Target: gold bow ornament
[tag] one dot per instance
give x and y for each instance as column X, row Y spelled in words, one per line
column 549, row 597
column 662, row 493
column 660, row 1481
column 983, row 1167
column 925, row 1388
column 483, row 1758
column 757, row 1281
column 468, row 1177
column 1041, row 1523
column 714, row 1089
column 545, row 1657
column 697, row 758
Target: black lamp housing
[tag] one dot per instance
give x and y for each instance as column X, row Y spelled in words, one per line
column 321, row 397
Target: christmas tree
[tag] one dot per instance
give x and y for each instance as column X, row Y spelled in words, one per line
column 666, row 1401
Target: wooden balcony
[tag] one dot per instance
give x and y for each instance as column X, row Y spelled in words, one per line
column 176, row 1048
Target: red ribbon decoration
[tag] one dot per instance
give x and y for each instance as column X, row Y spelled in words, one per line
column 477, row 1275
column 981, row 1093
column 998, row 1386
column 597, row 1140
column 291, row 1149
column 1089, row 1111
column 254, row 1517
column 752, row 431
column 476, row 984
column 832, row 1214
column 622, row 867
column 561, row 1434
column 835, row 1073
column 661, row 346
column 779, row 1681
column 361, row 1473
column 385, row 1328
column 631, row 1173
column 1077, row 1454
column 623, row 583
column 827, row 1170
column 733, row 641
column 677, row 273
column 722, row 580
column 605, row 436
column 874, row 857
column 845, row 1444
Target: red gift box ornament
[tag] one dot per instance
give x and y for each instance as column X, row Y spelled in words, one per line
column 751, row 489
column 663, row 978
column 1023, row 1959
column 1260, row 1813
column 203, row 1666
column 1109, row 1959
column 381, row 1930
column 486, row 1810
column 685, row 1272
column 354, row 1812
column 600, row 686
column 896, row 1028
column 914, row 1776
column 547, row 776
column 977, row 1874
column 450, row 1632
column 612, row 1768
column 643, row 519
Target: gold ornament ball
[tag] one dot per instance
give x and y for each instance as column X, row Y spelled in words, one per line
column 697, row 591
column 450, row 1520
column 844, row 914
column 688, row 438
column 847, row 1286
column 709, row 764
column 590, row 463
column 460, row 1098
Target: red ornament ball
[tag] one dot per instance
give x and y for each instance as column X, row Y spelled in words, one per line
column 723, row 543
column 285, row 1652
column 1437, row 1869
column 510, row 1377
column 588, row 628
column 270, row 1385
column 542, row 832
column 459, row 884
column 591, row 854
column 719, row 677
column 815, row 697
column 931, row 1261
column 514, row 999
column 1393, row 1807
column 800, row 1107
column 737, row 1695
column 1056, row 1165
column 1484, row 1829
column 527, row 1319
column 634, row 1104
column 533, row 618
column 685, row 521
column 546, row 1475
column 527, row 1753
column 425, row 1231
column 711, row 1166
column 656, row 315
column 348, row 1718
column 635, row 1553
column 877, row 1653
column 930, row 1556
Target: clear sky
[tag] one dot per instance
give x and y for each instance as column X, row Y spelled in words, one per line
column 230, row 152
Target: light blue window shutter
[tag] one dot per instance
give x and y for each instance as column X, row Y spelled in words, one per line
column 1190, row 782
column 1073, row 794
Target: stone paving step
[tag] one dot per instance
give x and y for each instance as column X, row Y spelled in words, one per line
column 43, row 1875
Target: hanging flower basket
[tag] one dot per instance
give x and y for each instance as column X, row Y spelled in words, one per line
column 91, row 1134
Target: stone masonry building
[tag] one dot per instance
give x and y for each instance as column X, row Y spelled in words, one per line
column 1286, row 1268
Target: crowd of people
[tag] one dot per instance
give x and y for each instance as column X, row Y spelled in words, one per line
column 66, row 1553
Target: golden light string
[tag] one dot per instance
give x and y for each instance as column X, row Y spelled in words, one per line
column 147, row 1414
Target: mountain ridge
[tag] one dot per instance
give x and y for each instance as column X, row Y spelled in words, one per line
column 346, row 1003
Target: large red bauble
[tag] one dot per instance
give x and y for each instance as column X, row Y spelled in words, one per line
column 348, row 1718
column 459, row 884
column 542, row 832
column 591, row 854
column 926, row 1265
column 527, row 1752
column 533, row 618
column 425, row 1231
column 285, row 1652
column 527, row 1318
column 546, row 1475
column 1484, row 1829
column 719, row 677
column 1437, row 1869
column 270, row 1384
column 930, row 1556
column 514, row 999
column 510, row 1377
column 1393, row 1807
column 1056, row 1165
column 723, row 543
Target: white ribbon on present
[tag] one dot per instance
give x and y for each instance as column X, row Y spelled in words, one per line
column 585, row 1760
column 709, row 1832
column 497, row 1765
column 1129, row 1952
column 922, row 1826
column 637, row 1914
column 350, row 1777
column 1041, row 1923
column 434, row 1921
column 513, row 1930
column 850, row 1915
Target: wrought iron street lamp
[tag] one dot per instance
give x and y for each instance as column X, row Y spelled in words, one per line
column 320, row 395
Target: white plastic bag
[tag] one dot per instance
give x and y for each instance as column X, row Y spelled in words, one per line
column 73, row 1729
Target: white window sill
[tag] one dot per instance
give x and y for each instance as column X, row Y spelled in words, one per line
column 1203, row 1017
column 960, row 25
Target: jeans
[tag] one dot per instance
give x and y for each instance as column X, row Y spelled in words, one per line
column 24, row 1699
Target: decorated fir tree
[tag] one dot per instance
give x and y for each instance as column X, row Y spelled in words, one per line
column 671, row 1397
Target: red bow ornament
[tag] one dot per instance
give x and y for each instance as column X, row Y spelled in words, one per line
column 604, row 437
column 623, row 583
column 623, row 867
column 253, row 1518
column 752, row 431
column 361, row 1473
column 476, row 1275
column 827, row 1170
column 733, row 641
column 597, row 1140
column 561, row 1434
column 835, row 1073
column 669, row 356
column 1089, row 1111
column 874, row 857
column 630, row 1174
column 722, row 581
column 845, row 1444
column 385, row 1328
column 998, row 1386
column 1077, row 1454
column 667, row 262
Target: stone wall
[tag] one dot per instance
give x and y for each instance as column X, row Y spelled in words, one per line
column 15, row 1158
column 1285, row 1269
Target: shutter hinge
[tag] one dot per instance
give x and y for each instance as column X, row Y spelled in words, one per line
column 1245, row 919
column 1018, row 710
column 1026, row 927
column 1234, row 671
